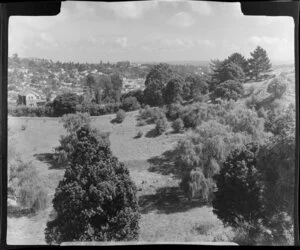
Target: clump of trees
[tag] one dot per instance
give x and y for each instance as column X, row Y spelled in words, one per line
column 96, row 200
column 155, row 83
column 200, row 156
column 257, row 184
column 227, row 90
column 164, row 86
column 102, row 89
column 239, row 69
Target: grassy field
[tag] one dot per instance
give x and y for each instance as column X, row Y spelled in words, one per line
column 167, row 216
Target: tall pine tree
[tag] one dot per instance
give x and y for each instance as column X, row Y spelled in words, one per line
column 259, row 63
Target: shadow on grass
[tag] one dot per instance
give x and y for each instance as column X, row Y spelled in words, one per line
column 151, row 133
column 115, row 121
column 167, row 200
column 16, row 212
column 165, row 164
column 137, row 136
column 49, row 159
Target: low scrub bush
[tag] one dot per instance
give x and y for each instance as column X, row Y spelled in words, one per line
column 178, row 125
column 141, row 123
column 246, row 120
column 151, row 115
column 161, row 126
column 120, row 116
column 253, row 102
column 22, row 110
column 98, row 109
column 24, row 183
column 174, row 110
column 277, row 86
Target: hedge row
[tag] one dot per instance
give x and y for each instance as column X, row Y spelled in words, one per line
column 49, row 111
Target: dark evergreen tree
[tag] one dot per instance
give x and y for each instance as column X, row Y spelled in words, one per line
column 96, row 200
column 173, row 91
column 153, row 93
column 239, row 187
column 223, row 71
column 259, row 63
column 239, row 60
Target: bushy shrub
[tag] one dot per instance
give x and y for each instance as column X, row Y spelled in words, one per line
column 24, row 183
column 22, row 110
column 72, row 123
column 138, row 94
column 277, row 231
column 246, row 120
column 141, row 123
column 161, row 126
column 65, row 103
column 253, row 102
column 280, row 119
column 277, row 87
column 120, row 116
column 239, row 187
column 262, row 113
column 277, row 166
column 203, row 151
column 130, row 104
column 98, row 109
column 151, row 115
column 96, row 200
column 174, row 111
column 178, row 125
column 190, row 117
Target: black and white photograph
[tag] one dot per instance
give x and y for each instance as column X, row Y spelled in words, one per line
column 151, row 122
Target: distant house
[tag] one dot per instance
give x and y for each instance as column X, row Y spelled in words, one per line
column 30, row 98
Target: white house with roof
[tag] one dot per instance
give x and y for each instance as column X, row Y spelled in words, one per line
column 30, row 98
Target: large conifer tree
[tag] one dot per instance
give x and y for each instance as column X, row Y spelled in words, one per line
column 259, row 63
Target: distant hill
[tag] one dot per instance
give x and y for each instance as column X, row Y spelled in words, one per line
column 194, row 63
column 282, row 62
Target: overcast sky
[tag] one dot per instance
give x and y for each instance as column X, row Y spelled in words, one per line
column 149, row 31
